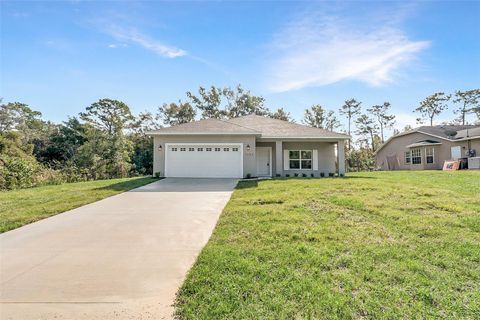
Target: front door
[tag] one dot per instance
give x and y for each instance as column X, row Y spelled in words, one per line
column 264, row 167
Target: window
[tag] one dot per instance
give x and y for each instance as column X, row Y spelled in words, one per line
column 174, row 149
column 226, row 149
column 217, row 149
column 199, row 149
column 416, row 156
column 408, row 158
column 183, row 149
column 429, row 154
column 300, row 159
column 208, row 149
column 191, row 149
column 235, row 149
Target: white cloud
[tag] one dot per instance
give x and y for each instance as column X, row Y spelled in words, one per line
column 136, row 37
column 319, row 50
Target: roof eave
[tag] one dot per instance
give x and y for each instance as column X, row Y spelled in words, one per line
column 199, row 133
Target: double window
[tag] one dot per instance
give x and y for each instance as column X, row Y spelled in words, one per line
column 300, row 159
column 416, row 156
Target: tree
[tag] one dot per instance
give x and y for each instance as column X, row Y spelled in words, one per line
column 20, row 117
column 281, row 114
column 350, row 109
column 176, row 113
column 142, row 157
column 367, row 128
column 240, row 102
column 468, row 101
column 432, row 106
column 110, row 118
column 385, row 120
column 318, row 117
column 208, row 102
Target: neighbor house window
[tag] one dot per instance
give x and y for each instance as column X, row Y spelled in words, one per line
column 408, row 158
column 429, row 154
column 416, row 156
column 300, row 159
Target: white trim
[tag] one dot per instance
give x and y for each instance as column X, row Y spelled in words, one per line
column 299, row 159
column 315, row 159
column 426, row 155
column 240, row 149
column 286, row 159
column 270, row 159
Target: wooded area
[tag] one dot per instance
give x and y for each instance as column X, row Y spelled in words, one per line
column 107, row 140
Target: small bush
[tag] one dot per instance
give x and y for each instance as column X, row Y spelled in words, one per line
column 304, row 175
column 278, row 175
column 331, row 174
column 249, row 175
column 322, row 174
column 287, row 175
column 295, row 174
column 342, row 175
column 158, row 174
column 312, row 175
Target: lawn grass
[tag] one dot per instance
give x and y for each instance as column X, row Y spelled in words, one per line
column 23, row 206
column 381, row 245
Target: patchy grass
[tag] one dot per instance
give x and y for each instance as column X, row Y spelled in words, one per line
column 23, row 206
column 382, row 245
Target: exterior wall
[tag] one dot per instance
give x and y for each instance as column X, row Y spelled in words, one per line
column 397, row 146
column 274, row 162
column 249, row 164
column 326, row 157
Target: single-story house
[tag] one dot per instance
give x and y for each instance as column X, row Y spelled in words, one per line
column 428, row 147
column 246, row 146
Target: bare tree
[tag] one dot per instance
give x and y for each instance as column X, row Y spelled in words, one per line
column 385, row 120
column 432, row 106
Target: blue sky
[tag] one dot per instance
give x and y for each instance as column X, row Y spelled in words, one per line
column 59, row 57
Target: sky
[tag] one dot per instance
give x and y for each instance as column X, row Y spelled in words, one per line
column 61, row 56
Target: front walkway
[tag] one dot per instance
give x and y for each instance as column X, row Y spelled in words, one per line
column 123, row 257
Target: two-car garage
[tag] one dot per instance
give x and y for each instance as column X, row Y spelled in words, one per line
column 212, row 160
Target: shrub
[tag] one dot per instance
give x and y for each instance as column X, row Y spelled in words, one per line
column 158, row 174
column 342, row 175
column 17, row 172
column 278, row 175
column 295, row 174
column 304, row 175
column 322, row 174
column 331, row 174
column 249, row 175
column 287, row 175
column 312, row 175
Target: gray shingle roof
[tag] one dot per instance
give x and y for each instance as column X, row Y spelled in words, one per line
column 252, row 124
column 274, row 128
column 443, row 131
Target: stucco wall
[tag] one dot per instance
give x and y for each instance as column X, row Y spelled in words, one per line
column 397, row 146
column 249, row 164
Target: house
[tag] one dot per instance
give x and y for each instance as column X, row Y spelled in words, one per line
column 246, row 146
column 427, row 147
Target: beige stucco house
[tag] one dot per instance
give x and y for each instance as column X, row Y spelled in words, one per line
column 246, row 146
column 427, row 147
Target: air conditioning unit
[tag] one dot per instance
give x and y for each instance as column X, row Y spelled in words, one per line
column 474, row 163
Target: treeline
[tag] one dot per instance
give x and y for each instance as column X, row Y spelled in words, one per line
column 107, row 140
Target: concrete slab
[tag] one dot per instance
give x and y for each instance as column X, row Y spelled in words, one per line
column 123, row 257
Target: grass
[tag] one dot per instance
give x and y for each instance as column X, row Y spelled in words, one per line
column 382, row 245
column 20, row 207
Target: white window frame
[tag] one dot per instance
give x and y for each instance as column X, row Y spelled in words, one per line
column 300, row 160
column 429, row 155
column 418, row 154
column 408, row 156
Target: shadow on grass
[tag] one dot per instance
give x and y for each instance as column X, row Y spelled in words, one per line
column 128, row 185
column 245, row 184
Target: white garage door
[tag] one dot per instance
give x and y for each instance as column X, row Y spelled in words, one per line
column 204, row 161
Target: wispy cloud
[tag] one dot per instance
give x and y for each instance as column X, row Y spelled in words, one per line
column 134, row 36
column 320, row 49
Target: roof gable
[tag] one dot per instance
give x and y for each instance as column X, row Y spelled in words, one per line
column 205, row 126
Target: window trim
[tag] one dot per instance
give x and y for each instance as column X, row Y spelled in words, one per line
column 427, row 155
column 419, row 156
column 300, row 159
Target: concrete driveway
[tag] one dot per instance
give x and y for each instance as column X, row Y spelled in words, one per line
column 123, row 257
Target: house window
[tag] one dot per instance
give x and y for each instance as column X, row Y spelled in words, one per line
column 208, row 149
column 226, row 149
column 429, row 153
column 217, row 149
column 416, row 156
column 300, row 159
column 235, row 149
column 183, row 149
column 408, row 158
column 191, row 149
column 199, row 149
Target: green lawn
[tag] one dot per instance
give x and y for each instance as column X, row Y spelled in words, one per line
column 382, row 245
column 20, row 207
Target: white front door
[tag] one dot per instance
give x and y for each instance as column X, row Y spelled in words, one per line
column 264, row 159
column 456, row 153
column 195, row 160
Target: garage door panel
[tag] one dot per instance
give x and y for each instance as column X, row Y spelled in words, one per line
column 204, row 161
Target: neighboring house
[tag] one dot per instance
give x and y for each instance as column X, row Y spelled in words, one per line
column 427, row 147
column 246, row 146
